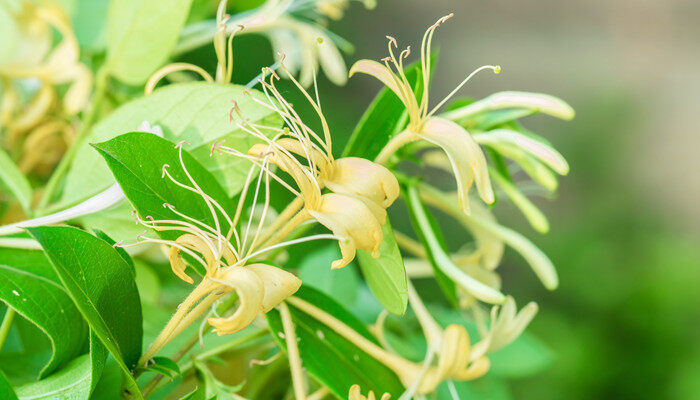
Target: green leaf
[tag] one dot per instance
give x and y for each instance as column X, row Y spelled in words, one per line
column 75, row 381
column 137, row 159
column 385, row 117
column 15, row 182
column 164, row 366
column 314, row 270
column 141, row 34
column 88, row 24
column 29, row 285
column 197, row 112
column 386, row 275
column 329, row 357
column 102, row 286
column 6, row 391
column 430, row 236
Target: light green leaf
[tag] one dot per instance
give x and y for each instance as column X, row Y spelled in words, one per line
column 29, row 285
column 88, row 23
column 12, row 179
column 141, row 34
column 341, row 284
column 102, row 286
column 386, row 275
column 328, row 356
column 6, row 391
column 197, row 112
column 75, row 381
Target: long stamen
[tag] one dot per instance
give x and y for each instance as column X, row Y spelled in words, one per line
column 289, row 243
column 496, row 69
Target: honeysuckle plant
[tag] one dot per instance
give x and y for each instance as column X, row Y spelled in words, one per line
column 194, row 222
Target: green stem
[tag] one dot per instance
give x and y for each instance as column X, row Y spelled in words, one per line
column 6, row 325
column 101, row 80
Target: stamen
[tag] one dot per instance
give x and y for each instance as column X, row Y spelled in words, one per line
column 495, row 68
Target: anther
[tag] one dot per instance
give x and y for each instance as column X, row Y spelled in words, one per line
column 181, row 143
column 163, row 172
column 392, row 40
column 118, row 244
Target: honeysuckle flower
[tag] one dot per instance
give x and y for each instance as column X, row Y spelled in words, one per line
column 507, row 324
column 228, row 254
column 466, row 158
column 355, row 393
column 360, row 189
column 34, row 67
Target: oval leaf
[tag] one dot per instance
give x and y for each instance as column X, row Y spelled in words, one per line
column 29, row 285
column 141, row 34
column 102, row 286
column 386, row 275
column 197, row 112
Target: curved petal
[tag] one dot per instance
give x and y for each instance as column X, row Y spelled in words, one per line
column 467, row 159
column 363, row 178
column 249, row 288
column 542, row 151
column 380, row 72
column 350, row 219
column 278, row 284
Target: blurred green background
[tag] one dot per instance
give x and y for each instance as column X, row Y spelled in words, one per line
column 625, row 322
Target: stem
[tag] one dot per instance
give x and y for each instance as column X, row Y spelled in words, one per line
column 101, row 80
column 6, row 325
column 290, row 338
column 410, row 245
column 173, row 325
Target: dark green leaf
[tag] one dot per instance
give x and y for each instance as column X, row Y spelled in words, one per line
column 29, row 285
column 102, row 286
column 6, row 391
column 120, row 250
column 164, row 366
column 328, row 356
column 386, row 275
column 137, row 159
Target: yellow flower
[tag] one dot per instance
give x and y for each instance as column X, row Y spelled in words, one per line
column 356, row 394
column 225, row 255
column 361, row 189
column 466, row 158
column 32, row 67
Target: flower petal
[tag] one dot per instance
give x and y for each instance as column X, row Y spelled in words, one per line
column 278, row 284
column 363, row 178
column 380, row 72
column 250, row 290
column 349, row 218
column 467, row 159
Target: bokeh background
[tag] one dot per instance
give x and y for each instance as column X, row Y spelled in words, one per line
column 625, row 322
